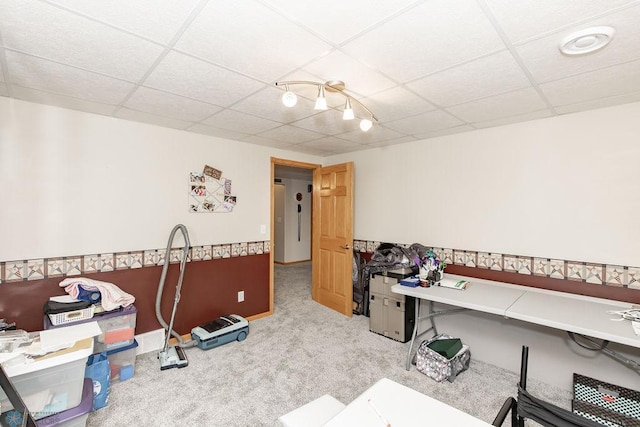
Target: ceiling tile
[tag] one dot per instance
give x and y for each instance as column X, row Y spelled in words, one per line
column 206, row 82
column 496, row 107
column 331, row 143
column 483, row 77
column 389, row 142
column 308, row 150
column 253, row 139
column 291, row 134
column 48, row 98
column 43, row 30
column 448, row 131
column 359, row 79
column 153, row 119
column 523, row 19
column 430, row 37
column 155, row 19
column 425, row 122
column 514, row 119
column 267, row 103
column 545, row 61
column 395, row 103
column 328, row 122
column 599, row 103
column 35, row 73
column 240, row 122
column 608, row 82
column 375, row 134
column 169, row 105
column 225, row 35
column 217, row 132
column 338, row 20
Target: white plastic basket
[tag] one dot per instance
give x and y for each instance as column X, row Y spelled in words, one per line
column 71, row 316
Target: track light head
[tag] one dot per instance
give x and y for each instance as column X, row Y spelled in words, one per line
column 348, row 111
column 321, row 101
column 289, row 99
column 365, row 125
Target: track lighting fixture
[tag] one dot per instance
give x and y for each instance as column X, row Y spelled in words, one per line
column 289, row 99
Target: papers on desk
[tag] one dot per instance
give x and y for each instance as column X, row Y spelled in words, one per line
column 454, row 284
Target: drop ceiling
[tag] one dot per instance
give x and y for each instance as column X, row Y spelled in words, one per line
column 424, row 68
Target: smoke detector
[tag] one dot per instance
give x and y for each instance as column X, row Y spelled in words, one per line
column 586, row 41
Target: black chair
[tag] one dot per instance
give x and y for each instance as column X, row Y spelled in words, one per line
column 527, row 406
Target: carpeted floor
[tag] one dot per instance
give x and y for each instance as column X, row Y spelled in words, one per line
column 301, row 352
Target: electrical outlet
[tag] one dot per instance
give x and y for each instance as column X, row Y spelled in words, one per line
column 263, row 229
column 240, row 296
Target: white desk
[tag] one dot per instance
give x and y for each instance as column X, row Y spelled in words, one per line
column 572, row 313
column 401, row 407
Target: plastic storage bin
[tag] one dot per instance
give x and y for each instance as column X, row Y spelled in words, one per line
column 51, row 384
column 122, row 362
column 605, row 403
column 117, row 326
column 390, row 314
column 74, row 417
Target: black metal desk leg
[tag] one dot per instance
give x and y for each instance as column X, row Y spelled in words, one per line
column 414, row 335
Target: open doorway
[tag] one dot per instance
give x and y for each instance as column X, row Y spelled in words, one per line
column 293, row 206
column 291, row 216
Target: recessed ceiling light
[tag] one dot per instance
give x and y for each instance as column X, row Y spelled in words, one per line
column 586, row 41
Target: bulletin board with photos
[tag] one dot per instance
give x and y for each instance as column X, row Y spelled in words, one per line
column 210, row 192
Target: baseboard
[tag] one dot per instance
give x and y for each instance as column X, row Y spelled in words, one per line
column 292, row 262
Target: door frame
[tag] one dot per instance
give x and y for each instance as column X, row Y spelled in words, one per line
column 292, row 163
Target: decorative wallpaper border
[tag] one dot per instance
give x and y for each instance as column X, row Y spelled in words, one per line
column 44, row 268
column 586, row 272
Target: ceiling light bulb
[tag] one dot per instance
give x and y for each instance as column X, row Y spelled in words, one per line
column 348, row 111
column 289, row 99
column 321, row 101
column 366, row 124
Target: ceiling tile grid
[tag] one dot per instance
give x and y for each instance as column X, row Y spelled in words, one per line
column 425, row 68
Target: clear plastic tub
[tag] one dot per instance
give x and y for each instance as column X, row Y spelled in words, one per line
column 117, row 326
column 52, row 383
column 122, row 362
column 73, row 417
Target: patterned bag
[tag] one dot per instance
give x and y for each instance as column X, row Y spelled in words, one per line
column 438, row 367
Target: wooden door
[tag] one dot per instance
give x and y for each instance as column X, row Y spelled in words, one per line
column 333, row 237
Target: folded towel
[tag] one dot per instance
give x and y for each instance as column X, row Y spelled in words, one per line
column 112, row 296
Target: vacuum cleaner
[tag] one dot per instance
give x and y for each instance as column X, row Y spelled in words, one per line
column 173, row 356
column 222, row 330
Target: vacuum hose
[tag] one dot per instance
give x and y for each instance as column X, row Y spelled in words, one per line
column 165, row 267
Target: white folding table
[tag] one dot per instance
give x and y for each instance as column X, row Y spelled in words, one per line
column 576, row 314
column 387, row 403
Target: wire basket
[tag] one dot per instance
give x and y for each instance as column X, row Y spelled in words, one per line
column 71, row 316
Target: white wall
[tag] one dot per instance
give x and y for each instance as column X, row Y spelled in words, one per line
column 278, row 226
column 565, row 187
column 295, row 250
column 77, row 183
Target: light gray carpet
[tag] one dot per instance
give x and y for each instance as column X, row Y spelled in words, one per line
column 301, row 352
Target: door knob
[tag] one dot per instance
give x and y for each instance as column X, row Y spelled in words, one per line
column 346, row 247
